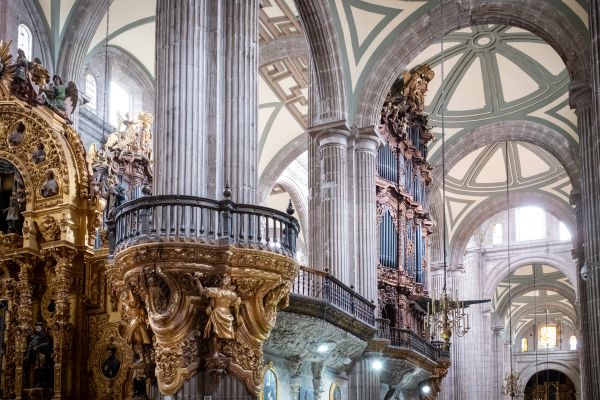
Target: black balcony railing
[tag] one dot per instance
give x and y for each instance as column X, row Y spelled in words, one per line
column 195, row 219
column 407, row 339
column 323, row 286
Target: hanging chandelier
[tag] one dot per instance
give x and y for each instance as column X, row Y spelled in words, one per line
column 512, row 385
column 447, row 314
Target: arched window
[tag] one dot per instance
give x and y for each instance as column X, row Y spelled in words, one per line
column 269, row 386
column 524, row 345
column 530, row 223
column 91, row 90
column 497, row 234
column 573, row 342
column 563, row 232
column 120, row 102
column 24, row 41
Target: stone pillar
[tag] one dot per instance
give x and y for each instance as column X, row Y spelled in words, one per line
column 365, row 239
column 333, row 194
column 580, row 98
column 314, row 200
column 206, row 98
column 364, row 379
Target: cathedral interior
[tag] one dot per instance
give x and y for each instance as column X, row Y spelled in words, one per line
column 299, row 199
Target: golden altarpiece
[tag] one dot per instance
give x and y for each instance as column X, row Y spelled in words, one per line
column 107, row 292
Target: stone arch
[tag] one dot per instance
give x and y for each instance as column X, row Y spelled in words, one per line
column 327, row 92
column 514, row 130
column 78, row 37
column 499, row 272
column 572, row 372
column 490, row 207
column 502, row 307
column 300, row 201
column 282, row 47
column 535, row 16
column 278, row 163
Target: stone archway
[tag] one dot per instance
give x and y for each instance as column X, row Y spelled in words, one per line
column 550, row 384
column 555, row 28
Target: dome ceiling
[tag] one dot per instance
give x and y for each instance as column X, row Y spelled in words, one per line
column 368, row 27
column 530, row 297
column 496, row 73
column 481, row 176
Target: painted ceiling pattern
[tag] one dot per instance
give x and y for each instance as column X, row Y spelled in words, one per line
column 535, row 290
column 495, row 73
column 367, row 27
column 482, row 175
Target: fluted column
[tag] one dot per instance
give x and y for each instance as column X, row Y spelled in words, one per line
column 333, row 192
column 365, row 162
column 206, row 91
column 314, row 195
column 589, row 218
column 364, row 379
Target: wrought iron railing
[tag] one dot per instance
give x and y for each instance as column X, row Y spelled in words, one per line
column 407, row 339
column 195, row 219
column 323, row 286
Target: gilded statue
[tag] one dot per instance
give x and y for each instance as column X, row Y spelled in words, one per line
column 415, row 87
column 136, row 331
column 223, row 313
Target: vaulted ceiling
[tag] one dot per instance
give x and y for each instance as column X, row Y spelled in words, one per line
column 536, row 291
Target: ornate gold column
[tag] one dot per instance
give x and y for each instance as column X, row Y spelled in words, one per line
column 24, row 320
column 60, row 283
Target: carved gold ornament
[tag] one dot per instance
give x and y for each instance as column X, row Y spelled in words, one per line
column 6, row 69
column 206, row 305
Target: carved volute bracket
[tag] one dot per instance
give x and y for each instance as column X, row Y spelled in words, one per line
column 209, row 308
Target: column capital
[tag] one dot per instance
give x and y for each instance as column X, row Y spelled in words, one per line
column 368, row 139
column 580, row 94
column 336, row 132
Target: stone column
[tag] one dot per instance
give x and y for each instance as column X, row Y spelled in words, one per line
column 206, row 98
column 333, row 193
column 364, row 379
column 580, row 98
column 365, row 162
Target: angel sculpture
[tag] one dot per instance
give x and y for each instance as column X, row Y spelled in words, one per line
column 62, row 99
column 415, row 87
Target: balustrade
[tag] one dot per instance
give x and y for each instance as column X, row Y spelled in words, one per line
column 322, row 286
column 194, row 219
column 407, row 339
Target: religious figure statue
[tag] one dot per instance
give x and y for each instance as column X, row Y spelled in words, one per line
column 50, row 186
column 415, row 87
column 17, row 135
column 39, row 154
column 116, row 195
column 13, row 214
column 223, row 313
column 111, row 365
column 61, row 98
column 135, row 331
column 29, row 78
column 39, row 357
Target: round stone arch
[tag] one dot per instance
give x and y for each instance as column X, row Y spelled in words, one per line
column 522, row 289
column 499, row 272
column 570, row 370
column 327, row 93
column 278, row 163
column 491, row 207
column 535, row 16
column 299, row 201
column 530, row 132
